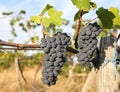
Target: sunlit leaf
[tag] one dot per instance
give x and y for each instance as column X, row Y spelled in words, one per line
column 35, row 19
column 55, row 16
column 13, row 21
column 116, row 21
column 114, row 10
column 82, row 4
column 46, row 21
column 47, row 7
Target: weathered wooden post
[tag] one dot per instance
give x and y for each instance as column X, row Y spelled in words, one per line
column 105, row 78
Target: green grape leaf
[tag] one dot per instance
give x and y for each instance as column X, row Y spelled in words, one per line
column 82, row 4
column 35, row 39
column 24, row 29
column 116, row 21
column 13, row 32
column 93, row 5
column 102, row 34
column 7, row 13
column 65, row 22
column 46, row 21
column 36, row 19
column 114, row 10
column 21, row 24
column 77, row 15
column 13, row 21
column 22, row 12
column 47, row 7
column 106, row 17
column 55, row 16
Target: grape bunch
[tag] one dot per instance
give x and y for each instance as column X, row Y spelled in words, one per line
column 55, row 56
column 87, row 43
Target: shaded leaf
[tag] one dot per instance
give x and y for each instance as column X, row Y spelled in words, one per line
column 82, row 4
column 106, row 17
column 21, row 24
column 22, row 12
column 65, row 22
column 35, row 39
column 93, row 5
column 7, row 13
column 24, row 29
column 29, row 26
column 13, row 32
column 77, row 15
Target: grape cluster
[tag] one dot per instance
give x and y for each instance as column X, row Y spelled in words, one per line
column 55, row 56
column 87, row 42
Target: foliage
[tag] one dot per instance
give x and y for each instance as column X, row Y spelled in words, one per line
column 106, row 17
column 7, row 59
column 51, row 21
column 53, row 17
column 82, row 4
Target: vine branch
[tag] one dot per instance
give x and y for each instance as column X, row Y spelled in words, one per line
column 78, row 28
column 17, row 46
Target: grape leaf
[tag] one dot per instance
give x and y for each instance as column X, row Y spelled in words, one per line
column 55, row 16
column 116, row 21
column 47, row 7
column 22, row 12
column 93, row 5
column 46, row 21
column 35, row 19
column 82, row 4
column 7, row 13
column 77, row 15
column 106, row 17
column 35, row 39
column 114, row 10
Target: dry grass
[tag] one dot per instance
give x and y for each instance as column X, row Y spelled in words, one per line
column 9, row 83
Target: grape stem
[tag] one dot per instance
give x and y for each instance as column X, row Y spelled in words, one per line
column 17, row 46
column 78, row 28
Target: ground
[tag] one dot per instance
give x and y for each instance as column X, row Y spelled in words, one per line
column 9, row 83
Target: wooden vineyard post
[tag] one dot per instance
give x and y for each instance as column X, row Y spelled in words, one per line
column 105, row 77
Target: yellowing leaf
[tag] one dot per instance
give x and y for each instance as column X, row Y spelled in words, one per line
column 35, row 19
column 114, row 10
